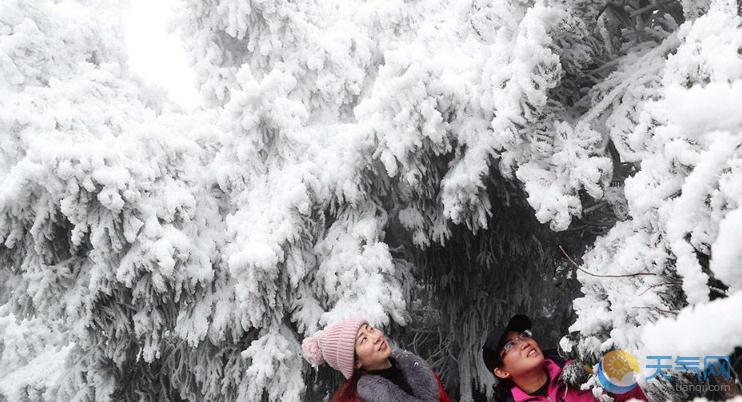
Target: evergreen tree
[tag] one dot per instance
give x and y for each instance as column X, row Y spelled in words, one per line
column 422, row 164
column 668, row 111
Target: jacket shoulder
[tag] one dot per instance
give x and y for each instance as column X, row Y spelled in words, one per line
column 375, row 388
column 417, row 373
column 407, row 358
column 370, row 387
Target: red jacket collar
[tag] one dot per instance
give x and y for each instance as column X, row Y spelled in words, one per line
column 554, row 370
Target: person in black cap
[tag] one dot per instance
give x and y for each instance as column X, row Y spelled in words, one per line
column 527, row 373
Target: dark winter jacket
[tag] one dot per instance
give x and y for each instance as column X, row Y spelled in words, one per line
column 417, row 373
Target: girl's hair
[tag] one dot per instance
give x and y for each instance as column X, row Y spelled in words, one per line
column 348, row 391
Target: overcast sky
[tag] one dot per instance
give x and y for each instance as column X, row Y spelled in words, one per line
column 157, row 55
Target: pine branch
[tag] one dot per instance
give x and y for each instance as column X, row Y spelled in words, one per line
column 658, row 285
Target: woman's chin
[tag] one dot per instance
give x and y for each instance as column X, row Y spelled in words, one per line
column 385, row 352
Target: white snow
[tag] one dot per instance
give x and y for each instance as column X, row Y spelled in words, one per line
column 186, row 235
column 710, row 329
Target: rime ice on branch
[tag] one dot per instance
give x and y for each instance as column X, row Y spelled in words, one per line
column 184, row 256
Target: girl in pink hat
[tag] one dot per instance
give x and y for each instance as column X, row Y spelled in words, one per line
column 373, row 371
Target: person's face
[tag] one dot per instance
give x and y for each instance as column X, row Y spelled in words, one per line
column 521, row 358
column 372, row 348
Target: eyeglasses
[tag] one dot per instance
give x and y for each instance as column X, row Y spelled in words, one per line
column 515, row 341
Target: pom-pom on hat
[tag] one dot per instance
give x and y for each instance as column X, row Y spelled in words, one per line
column 334, row 345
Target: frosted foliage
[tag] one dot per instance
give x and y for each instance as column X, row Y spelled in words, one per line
column 354, row 240
column 719, row 317
column 39, row 45
column 271, row 167
column 575, row 164
column 149, row 254
column 31, row 358
column 678, row 244
column 437, row 86
column 159, row 240
column 694, row 8
column 308, row 39
column 276, row 367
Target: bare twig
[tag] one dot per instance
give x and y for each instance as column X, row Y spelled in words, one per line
column 657, row 309
column 604, row 276
column 657, row 285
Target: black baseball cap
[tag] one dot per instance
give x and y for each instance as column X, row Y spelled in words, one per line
column 498, row 338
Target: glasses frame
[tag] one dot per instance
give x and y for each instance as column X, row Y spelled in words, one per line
column 527, row 334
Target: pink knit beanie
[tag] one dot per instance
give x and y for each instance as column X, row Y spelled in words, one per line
column 335, row 345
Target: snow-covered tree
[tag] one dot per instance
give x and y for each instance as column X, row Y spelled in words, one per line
column 670, row 110
column 98, row 211
column 171, row 256
column 422, row 164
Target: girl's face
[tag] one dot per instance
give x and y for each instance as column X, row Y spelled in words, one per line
column 522, row 358
column 372, row 348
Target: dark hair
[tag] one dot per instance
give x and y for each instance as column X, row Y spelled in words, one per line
column 491, row 357
column 502, row 389
column 348, row 391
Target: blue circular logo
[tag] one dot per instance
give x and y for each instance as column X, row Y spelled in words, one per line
column 618, row 372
